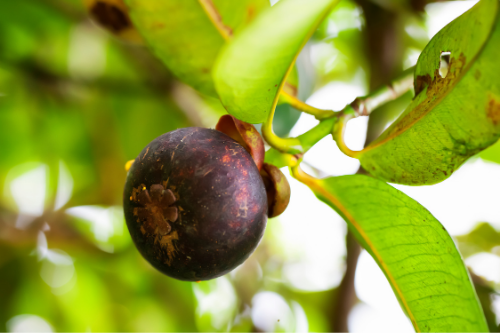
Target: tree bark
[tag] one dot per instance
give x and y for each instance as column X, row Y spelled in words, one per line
column 346, row 297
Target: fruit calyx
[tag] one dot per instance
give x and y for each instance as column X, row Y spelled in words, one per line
column 245, row 134
column 277, row 186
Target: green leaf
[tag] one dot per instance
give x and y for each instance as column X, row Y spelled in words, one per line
column 482, row 239
column 187, row 35
column 285, row 118
column 412, row 248
column 238, row 14
column 487, row 295
column 491, row 154
column 251, row 70
column 452, row 117
column 291, row 86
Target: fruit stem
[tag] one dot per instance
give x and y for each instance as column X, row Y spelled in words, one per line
column 303, row 142
column 364, row 106
column 339, row 130
column 303, row 177
column 288, row 145
column 306, row 108
column 334, row 122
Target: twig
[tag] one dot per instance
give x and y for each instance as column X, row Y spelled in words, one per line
column 346, row 297
column 362, row 106
column 306, row 108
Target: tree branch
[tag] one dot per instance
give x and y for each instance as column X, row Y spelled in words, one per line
column 364, row 106
column 361, row 106
column 346, row 297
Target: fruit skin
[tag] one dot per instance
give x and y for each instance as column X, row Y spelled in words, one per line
column 220, row 199
column 277, row 186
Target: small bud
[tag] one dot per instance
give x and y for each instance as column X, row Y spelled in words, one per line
column 277, row 188
column 128, row 165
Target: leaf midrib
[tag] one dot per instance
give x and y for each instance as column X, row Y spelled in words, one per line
column 220, row 27
column 306, row 39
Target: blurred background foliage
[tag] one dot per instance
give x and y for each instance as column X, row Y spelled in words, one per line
column 76, row 104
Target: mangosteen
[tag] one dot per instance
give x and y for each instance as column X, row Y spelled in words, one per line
column 195, row 204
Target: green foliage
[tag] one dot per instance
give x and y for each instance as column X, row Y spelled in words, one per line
column 485, row 293
column 177, row 29
column 482, row 239
column 413, row 249
column 286, row 116
column 492, row 153
column 451, row 117
column 344, row 44
column 187, row 36
column 72, row 96
column 251, row 71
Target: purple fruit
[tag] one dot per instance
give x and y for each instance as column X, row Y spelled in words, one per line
column 195, row 204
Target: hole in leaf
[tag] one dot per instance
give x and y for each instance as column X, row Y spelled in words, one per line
column 444, row 64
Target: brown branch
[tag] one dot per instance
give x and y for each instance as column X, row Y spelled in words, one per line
column 62, row 233
column 346, row 297
column 56, row 82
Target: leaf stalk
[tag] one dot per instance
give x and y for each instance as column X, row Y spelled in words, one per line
column 334, row 121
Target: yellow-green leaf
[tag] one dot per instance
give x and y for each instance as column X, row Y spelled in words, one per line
column 187, row 35
column 251, row 70
column 482, row 239
column 415, row 252
column 491, row 154
column 455, row 114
